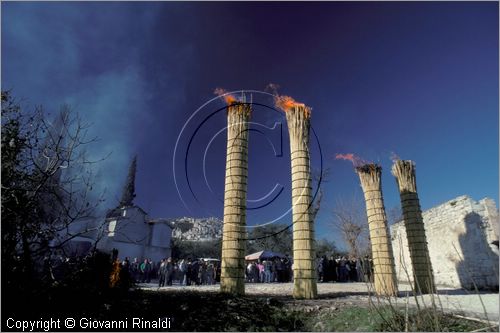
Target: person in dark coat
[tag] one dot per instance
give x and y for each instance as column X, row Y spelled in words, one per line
column 161, row 274
column 202, row 272
column 217, row 272
column 194, row 272
column 189, row 272
column 287, row 273
column 331, row 270
column 343, row 270
column 324, row 269
column 353, row 273
column 279, row 269
column 169, row 271
column 150, row 270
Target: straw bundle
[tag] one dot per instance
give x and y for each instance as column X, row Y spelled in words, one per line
column 304, row 268
column 404, row 171
column 233, row 235
column 383, row 258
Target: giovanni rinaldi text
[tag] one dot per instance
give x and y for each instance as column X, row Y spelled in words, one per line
column 87, row 323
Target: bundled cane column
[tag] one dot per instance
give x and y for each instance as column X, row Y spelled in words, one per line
column 233, row 236
column 304, row 271
column 404, row 171
column 383, row 258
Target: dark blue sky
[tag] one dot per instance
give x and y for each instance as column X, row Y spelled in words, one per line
column 419, row 79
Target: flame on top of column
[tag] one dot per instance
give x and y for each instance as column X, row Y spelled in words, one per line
column 235, row 105
column 287, row 103
column 228, row 98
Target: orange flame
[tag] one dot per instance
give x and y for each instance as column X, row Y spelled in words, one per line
column 228, row 98
column 282, row 102
column 356, row 161
column 285, row 103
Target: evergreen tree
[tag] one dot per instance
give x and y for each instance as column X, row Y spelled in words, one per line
column 128, row 194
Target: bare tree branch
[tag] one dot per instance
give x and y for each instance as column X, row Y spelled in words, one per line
column 349, row 218
column 46, row 182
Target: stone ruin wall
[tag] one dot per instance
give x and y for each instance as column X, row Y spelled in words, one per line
column 196, row 229
column 459, row 233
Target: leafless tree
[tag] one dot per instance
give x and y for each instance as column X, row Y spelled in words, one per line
column 350, row 219
column 47, row 183
column 319, row 177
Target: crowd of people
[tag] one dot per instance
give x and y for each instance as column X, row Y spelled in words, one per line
column 341, row 269
column 207, row 272
column 270, row 270
column 166, row 271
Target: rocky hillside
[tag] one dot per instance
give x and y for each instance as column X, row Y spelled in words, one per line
column 196, row 229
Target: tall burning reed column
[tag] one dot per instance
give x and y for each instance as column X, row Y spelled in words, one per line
column 304, row 269
column 233, row 236
column 404, row 171
column 383, row 258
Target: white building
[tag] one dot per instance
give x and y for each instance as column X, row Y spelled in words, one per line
column 130, row 231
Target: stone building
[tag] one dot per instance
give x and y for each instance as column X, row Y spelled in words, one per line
column 462, row 235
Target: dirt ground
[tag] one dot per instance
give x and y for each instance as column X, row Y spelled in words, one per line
column 484, row 305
